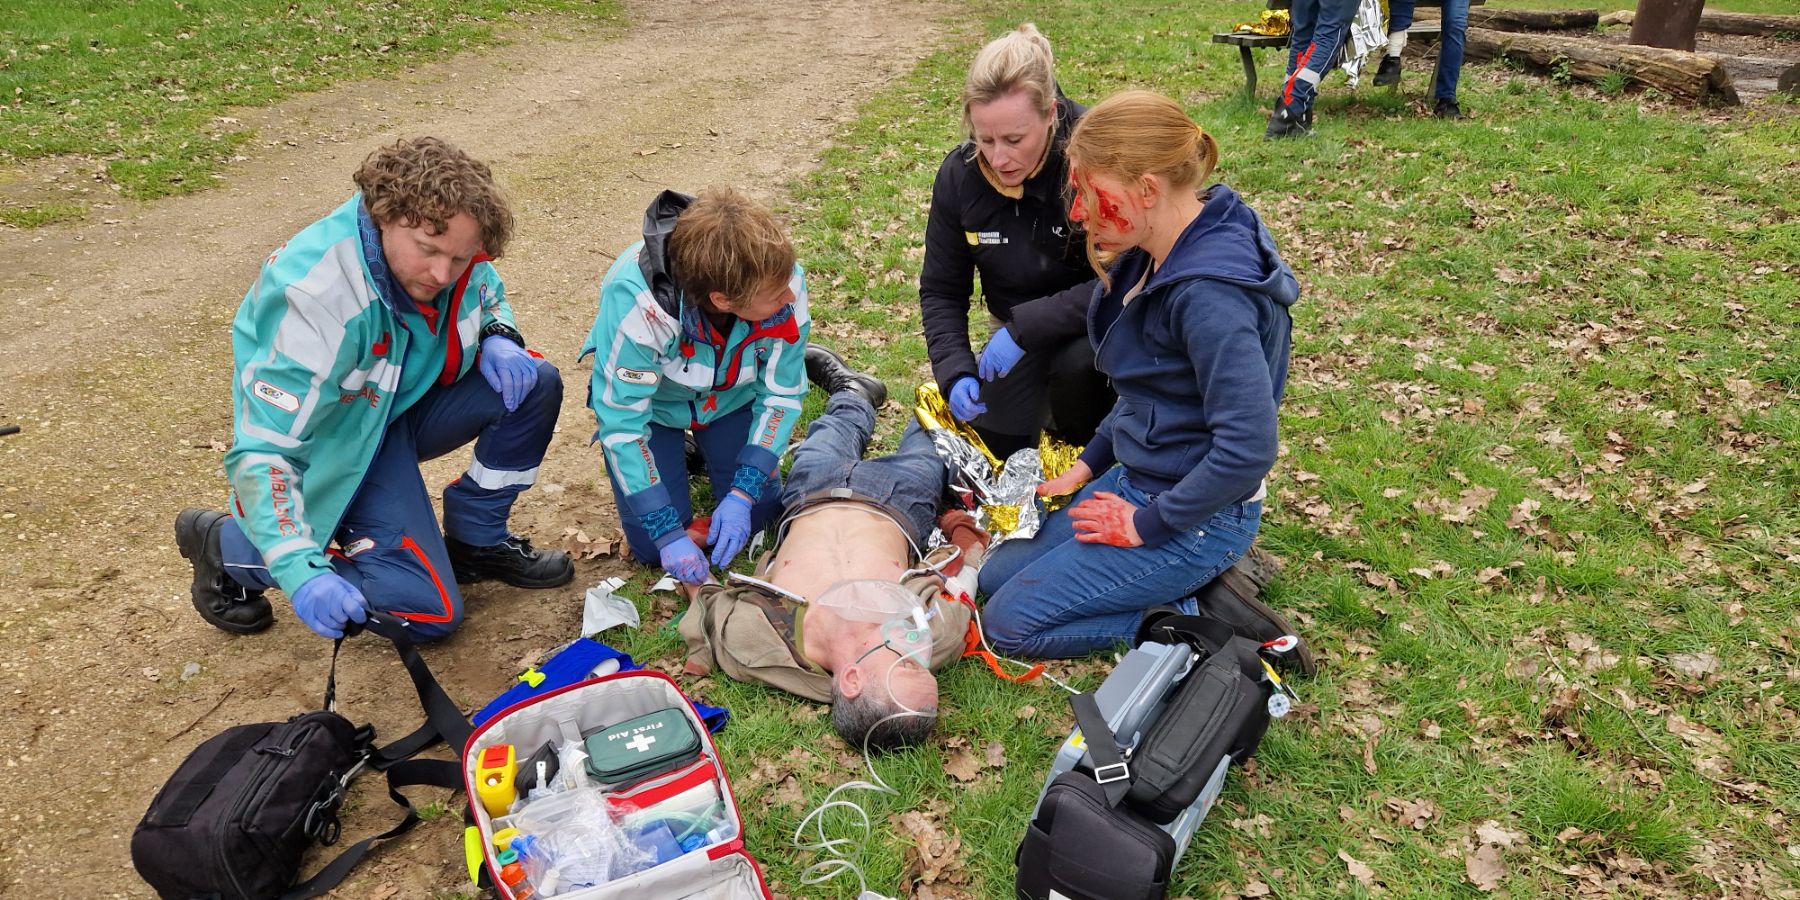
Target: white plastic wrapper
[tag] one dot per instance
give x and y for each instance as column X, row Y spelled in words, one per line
column 1368, row 31
column 605, row 609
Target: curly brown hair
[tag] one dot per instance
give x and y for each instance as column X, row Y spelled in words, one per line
column 428, row 180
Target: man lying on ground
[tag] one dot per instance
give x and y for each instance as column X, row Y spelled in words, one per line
column 844, row 610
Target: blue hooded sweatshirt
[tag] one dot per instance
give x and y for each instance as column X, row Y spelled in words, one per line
column 1199, row 359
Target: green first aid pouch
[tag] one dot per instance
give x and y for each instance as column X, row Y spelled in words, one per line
column 639, row 748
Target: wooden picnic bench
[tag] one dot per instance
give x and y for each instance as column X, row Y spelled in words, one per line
column 1424, row 32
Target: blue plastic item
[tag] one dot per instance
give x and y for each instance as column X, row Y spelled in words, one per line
column 658, row 839
column 574, row 664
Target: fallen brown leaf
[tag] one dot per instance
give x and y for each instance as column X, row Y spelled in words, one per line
column 1483, row 867
column 1358, row 869
column 996, row 755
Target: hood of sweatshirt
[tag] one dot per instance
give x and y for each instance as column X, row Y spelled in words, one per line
column 653, row 259
column 1226, row 242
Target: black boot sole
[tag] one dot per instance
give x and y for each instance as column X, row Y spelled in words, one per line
column 476, row 576
column 190, row 539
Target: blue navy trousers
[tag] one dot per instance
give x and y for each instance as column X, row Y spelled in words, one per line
column 720, row 441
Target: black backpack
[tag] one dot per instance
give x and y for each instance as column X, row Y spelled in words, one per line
column 239, row 813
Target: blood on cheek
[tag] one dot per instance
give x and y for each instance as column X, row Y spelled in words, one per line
column 1110, row 211
column 1111, row 208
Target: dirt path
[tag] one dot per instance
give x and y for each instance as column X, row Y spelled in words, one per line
column 115, row 359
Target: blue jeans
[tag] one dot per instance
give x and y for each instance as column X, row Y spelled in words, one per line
column 389, row 544
column 1450, row 42
column 1319, row 29
column 720, row 440
column 911, row 479
column 1054, row 596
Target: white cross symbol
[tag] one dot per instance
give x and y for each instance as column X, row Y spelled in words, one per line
column 640, row 743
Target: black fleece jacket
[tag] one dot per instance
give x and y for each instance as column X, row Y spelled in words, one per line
column 1033, row 263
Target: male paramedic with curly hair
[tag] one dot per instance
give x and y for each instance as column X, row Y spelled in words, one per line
column 376, row 338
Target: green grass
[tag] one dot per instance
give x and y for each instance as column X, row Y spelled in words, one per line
column 145, row 87
column 41, row 214
column 1570, row 306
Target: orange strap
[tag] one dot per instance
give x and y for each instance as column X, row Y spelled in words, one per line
column 972, row 646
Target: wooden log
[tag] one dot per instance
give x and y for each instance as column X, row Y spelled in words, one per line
column 1755, row 24
column 1674, row 72
column 1534, row 19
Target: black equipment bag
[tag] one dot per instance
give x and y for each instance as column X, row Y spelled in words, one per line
column 1221, row 708
column 1083, row 847
column 239, row 813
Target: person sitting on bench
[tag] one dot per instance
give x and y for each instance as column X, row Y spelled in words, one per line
column 844, row 609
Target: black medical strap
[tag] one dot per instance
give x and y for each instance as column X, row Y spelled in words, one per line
column 1110, row 769
column 443, row 721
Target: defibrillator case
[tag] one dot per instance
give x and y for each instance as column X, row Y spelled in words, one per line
column 723, row 870
column 1130, row 699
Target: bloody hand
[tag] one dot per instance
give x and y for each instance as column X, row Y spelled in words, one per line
column 1105, row 519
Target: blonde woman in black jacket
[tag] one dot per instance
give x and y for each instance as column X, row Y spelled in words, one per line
column 998, row 210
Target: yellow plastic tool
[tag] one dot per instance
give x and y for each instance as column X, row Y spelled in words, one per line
column 494, row 779
column 472, row 854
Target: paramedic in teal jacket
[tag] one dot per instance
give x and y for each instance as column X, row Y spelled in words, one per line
column 702, row 328
column 1192, row 325
column 378, row 337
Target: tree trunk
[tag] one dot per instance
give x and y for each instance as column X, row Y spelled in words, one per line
column 1674, row 72
column 1533, row 19
column 1755, row 24
column 1669, row 24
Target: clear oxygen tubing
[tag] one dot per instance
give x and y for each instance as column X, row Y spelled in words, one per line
column 838, row 850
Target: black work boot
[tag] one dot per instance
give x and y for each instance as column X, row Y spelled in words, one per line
column 1388, row 72
column 1289, row 120
column 829, row 371
column 1446, row 108
column 512, row 561
column 221, row 601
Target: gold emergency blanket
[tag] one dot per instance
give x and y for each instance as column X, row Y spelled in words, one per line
column 1004, row 493
column 1272, row 22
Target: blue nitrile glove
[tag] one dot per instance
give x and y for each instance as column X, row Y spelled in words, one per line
column 730, row 528
column 508, row 369
column 682, row 559
column 999, row 356
column 965, row 399
column 327, row 603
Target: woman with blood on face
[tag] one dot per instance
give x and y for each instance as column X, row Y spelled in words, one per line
column 1192, row 325
column 997, row 210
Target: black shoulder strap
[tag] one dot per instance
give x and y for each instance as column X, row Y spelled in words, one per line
column 1110, row 769
column 443, row 721
column 435, row 772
